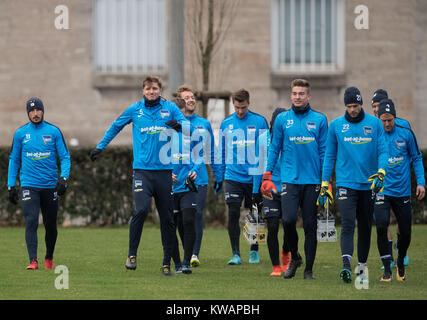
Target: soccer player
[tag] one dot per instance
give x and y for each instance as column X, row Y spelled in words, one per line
column 186, row 168
column 273, row 206
column 379, row 95
column 238, row 136
column 299, row 137
column 396, row 195
column 356, row 146
column 151, row 119
column 35, row 149
column 203, row 133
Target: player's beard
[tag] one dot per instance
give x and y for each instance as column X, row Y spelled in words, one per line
column 38, row 121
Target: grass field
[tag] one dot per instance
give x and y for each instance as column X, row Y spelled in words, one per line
column 95, row 260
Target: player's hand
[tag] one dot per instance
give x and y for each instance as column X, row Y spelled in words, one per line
column 94, row 154
column 189, row 184
column 61, row 186
column 192, row 175
column 258, row 200
column 421, row 192
column 325, row 198
column 218, row 187
column 174, row 125
column 174, row 178
column 13, row 195
column 377, row 181
column 268, row 186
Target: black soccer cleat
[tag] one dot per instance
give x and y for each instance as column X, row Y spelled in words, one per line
column 308, row 274
column 293, row 266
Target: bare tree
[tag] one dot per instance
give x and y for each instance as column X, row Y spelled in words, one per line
column 207, row 25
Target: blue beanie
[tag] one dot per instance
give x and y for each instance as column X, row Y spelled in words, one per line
column 379, row 95
column 34, row 103
column 352, row 96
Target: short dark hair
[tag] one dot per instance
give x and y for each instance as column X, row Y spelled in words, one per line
column 151, row 79
column 240, row 95
column 300, row 83
column 179, row 102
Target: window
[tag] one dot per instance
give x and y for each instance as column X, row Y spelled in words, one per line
column 307, row 36
column 130, row 36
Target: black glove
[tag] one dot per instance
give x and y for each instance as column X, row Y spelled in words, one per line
column 94, row 153
column 13, row 195
column 61, row 186
column 189, row 183
column 174, row 125
column 258, row 200
column 218, row 187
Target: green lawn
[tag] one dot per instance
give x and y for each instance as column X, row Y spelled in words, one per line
column 95, row 259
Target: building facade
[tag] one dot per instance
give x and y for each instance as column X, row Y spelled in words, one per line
column 86, row 59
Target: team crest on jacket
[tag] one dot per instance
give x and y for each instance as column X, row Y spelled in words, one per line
column 251, row 128
column 47, row 139
column 311, row 125
column 400, row 143
column 201, row 129
column 164, row 113
column 367, row 130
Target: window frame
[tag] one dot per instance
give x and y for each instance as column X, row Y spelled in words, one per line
column 118, row 64
column 312, row 68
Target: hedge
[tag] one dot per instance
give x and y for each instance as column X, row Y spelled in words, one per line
column 100, row 192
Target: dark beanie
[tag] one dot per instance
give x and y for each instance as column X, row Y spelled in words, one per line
column 352, row 95
column 379, row 95
column 34, row 103
column 386, row 106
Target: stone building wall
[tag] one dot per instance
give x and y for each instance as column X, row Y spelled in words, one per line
column 36, row 59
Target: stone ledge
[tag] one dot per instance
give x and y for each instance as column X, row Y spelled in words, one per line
column 280, row 80
column 125, row 81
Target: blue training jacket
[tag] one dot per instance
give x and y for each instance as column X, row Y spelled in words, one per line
column 299, row 139
column 237, row 144
column 150, row 134
column 184, row 161
column 359, row 150
column 34, row 154
column 402, row 150
column 203, row 134
column 265, row 142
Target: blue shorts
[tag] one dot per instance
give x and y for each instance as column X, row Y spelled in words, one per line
column 402, row 209
column 295, row 196
column 273, row 208
column 236, row 192
column 184, row 200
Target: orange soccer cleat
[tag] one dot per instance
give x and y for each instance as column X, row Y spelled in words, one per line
column 286, row 259
column 277, row 272
column 48, row 264
column 33, row 265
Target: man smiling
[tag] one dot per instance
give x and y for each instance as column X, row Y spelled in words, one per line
column 151, row 176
